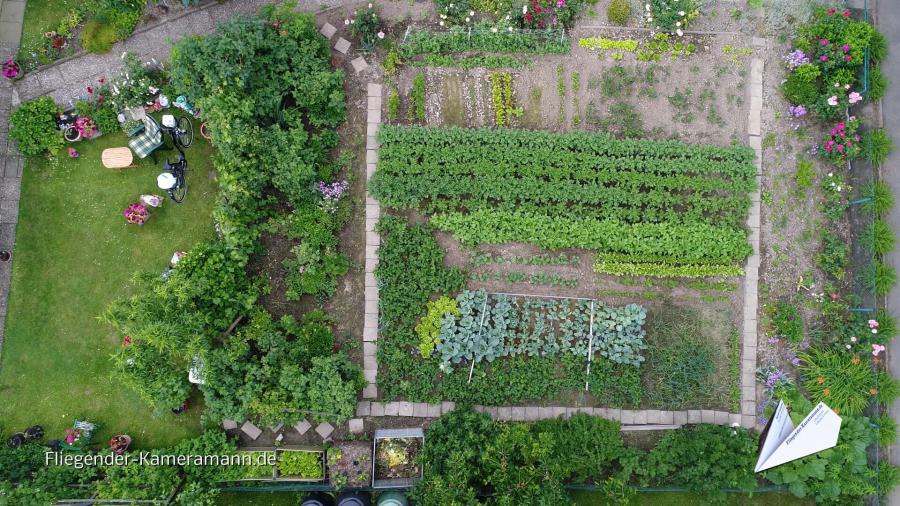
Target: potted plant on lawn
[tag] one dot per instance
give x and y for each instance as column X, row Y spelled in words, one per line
column 137, row 214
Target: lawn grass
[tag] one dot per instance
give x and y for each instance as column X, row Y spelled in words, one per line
column 42, row 16
column 74, row 254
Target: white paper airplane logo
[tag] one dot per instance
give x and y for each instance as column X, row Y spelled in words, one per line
column 783, row 443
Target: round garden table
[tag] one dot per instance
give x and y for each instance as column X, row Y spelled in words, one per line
column 116, row 158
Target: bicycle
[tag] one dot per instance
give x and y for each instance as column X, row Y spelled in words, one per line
column 173, row 180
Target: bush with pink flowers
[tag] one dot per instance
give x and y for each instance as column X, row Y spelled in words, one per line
column 842, row 142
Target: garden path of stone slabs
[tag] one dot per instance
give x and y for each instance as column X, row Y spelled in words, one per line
column 12, row 13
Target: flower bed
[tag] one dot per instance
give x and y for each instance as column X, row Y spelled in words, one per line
column 350, row 464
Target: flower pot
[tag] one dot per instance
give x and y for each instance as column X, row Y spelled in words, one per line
column 5, row 256
column 204, row 131
column 20, row 72
column 72, row 134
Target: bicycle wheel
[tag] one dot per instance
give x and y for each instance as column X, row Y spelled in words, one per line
column 185, row 131
column 180, row 190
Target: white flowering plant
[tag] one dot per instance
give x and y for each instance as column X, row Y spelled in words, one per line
column 672, row 16
column 454, row 12
column 366, row 25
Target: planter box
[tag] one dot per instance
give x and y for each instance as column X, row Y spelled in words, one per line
column 255, row 472
column 320, row 456
column 413, row 437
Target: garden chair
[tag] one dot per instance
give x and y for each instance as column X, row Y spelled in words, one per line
column 147, row 140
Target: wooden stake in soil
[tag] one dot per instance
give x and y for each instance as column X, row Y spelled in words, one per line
column 590, row 354
column 480, row 326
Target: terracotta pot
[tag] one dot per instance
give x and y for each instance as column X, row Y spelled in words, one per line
column 204, row 131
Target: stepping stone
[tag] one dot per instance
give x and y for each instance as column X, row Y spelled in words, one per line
column 374, row 90
column 370, row 392
column 447, row 407
column 302, row 426
column 359, row 64
column 377, row 409
column 252, row 431
column 356, row 425
column 434, row 410
column 324, row 429
column 276, row 428
column 229, row 424
column 363, row 408
column 406, row 409
column 342, row 45
column 392, row 409
column 328, row 30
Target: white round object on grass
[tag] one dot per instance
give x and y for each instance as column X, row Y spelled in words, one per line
column 165, row 181
column 168, row 121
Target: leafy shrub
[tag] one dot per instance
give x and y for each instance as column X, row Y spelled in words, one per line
column 300, row 464
column 837, row 476
column 667, row 13
column 122, row 15
column 680, row 359
column 586, row 449
column 392, row 62
column 786, row 320
column 393, row 104
column 33, row 127
column 429, row 327
column 835, row 255
column 879, row 277
column 623, row 120
column 877, row 145
column 482, row 39
column 800, row 85
column 98, row 37
column 705, row 459
column 157, row 375
column 417, row 98
column 805, row 174
column 843, row 381
column 618, row 12
column 878, row 237
column 613, row 385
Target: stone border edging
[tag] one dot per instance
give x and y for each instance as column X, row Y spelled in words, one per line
column 373, row 241
column 751, row 270
column 630, row 419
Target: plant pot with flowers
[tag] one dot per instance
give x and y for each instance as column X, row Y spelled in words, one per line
column 86, row 127
column 136, row 214
column 12, row 70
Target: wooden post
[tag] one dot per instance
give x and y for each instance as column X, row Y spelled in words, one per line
column 480, row 326
column 590, row 354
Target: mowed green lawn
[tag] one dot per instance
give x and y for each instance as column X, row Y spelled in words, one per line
column 42, row 16
column 74, row 254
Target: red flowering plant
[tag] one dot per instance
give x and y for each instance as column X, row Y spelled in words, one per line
column 842, row 142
